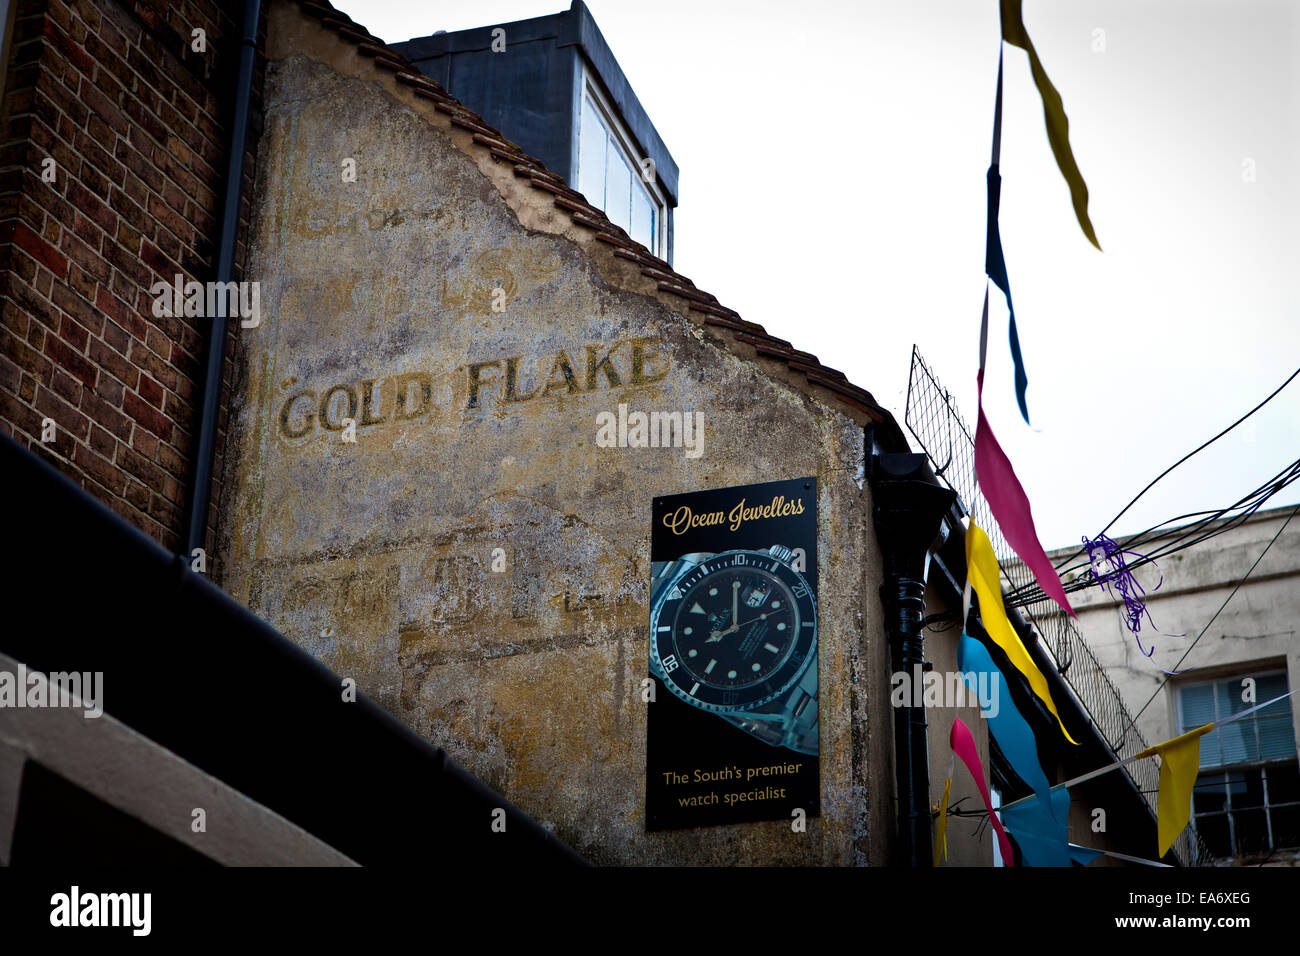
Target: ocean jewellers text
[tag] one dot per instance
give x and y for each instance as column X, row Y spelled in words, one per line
column 684, row 519
column 512, row 380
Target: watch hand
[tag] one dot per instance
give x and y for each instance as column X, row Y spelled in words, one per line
column 735, row 602
column 719, row 635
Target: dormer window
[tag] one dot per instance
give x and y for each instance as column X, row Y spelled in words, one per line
column 561, row 97
column 615, row 177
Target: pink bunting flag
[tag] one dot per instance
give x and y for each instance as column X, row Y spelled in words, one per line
column 963, row 745
column 1010, row 505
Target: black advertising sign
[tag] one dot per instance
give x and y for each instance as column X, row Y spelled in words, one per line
column 732, row 729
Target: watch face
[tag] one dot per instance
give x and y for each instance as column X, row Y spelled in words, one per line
column 734, row 632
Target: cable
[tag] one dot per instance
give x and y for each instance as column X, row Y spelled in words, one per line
column 1280, row 481
column 1185, row 537
column 1112, row 521
column 1032, row 594
column 1164, row 683
column 1251, row 503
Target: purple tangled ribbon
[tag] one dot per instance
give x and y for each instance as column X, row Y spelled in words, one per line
column 1120, row 580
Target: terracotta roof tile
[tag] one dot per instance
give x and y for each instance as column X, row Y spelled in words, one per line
column 418, row 80
column 436, row 95
column 579, row 205
column 722, row 323
column 719, row 311
column 584, row 214
column 687, row 292
column 819, row 369
column 468, row 121
column 768, row 341
column 599, row 223
column 658, row 275
column 558, row 188
column 730, row 315
column 494, row 142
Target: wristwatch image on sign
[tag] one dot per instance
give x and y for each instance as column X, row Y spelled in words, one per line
column 735, row 634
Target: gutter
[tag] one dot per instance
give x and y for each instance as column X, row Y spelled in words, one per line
column 909, row 508
column 201, row 485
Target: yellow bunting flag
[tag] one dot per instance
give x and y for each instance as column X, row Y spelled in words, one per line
column 982, row 572
column 1180, row 759
column 941, row 828
column 1058, row 127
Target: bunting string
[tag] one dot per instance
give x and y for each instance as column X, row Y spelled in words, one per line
column 1153, row 750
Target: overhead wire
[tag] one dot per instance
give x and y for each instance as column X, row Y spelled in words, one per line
column 1215, row 616
column 1110, row 524
column 1217, row 522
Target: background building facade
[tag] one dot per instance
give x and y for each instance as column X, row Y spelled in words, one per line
column 1247, row 801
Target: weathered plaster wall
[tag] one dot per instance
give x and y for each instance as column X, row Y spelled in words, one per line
column 377, row 556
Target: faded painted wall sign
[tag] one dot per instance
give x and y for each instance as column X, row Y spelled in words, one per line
column 600, row 367
column 504, row 381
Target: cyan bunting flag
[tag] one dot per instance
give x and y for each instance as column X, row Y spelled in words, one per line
column 1009, row 728
column 1041, row 832
column 1083, row 855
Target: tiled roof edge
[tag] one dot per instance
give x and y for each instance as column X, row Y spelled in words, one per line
column 670, row 286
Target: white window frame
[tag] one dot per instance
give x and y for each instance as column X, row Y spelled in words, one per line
column 592, row 87
column 1221, row 769
column 995, row 798
column 1223, row 679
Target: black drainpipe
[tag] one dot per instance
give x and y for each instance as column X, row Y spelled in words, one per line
column 909, row 508
column 201, row 487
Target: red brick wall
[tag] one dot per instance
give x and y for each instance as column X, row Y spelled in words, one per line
column 138, row 126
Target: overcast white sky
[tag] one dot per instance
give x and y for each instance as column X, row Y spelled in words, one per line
column 833, row 157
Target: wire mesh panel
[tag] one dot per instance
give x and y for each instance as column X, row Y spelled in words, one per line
column 933, row 419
